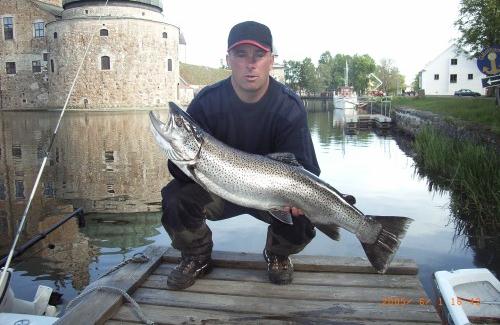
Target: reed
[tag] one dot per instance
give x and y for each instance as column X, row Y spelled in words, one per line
column 469, row 171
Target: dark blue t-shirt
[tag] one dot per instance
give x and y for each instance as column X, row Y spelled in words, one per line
column 276, row 123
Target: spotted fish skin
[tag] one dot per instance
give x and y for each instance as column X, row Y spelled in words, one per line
column 264, row 183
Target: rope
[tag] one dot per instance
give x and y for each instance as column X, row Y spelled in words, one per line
column 136, row 258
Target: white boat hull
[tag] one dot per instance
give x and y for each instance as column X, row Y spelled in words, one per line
column 345, row 102
column 469, row 293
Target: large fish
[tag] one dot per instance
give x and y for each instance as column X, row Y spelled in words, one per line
column 272, row 183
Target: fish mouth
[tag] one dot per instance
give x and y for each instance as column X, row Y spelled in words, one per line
column 157, row 126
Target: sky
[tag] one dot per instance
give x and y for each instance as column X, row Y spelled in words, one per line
column 410, row 33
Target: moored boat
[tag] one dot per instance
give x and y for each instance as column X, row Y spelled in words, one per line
column 469, row 296
column 345, row 97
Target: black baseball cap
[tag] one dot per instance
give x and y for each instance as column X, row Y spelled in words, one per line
column 250, row 32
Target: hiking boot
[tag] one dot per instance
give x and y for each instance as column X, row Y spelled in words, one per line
column 279, row 268
column 189, row 269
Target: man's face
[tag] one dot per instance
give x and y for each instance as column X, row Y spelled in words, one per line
column 250, row 67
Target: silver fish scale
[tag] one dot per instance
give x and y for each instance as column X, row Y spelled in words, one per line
column 262, row 183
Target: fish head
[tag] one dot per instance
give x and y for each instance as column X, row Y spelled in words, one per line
column 180, row 137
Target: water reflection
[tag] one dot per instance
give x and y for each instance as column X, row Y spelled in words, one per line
column 103, row 162
column 108, row 162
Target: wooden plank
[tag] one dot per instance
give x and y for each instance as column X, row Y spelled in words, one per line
column 296, row 291
column 287, row 307
column 303, row 262
column 311, row 278
column 175, row 315
column 98, row 306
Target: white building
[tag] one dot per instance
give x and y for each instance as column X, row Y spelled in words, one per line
column 449, row 72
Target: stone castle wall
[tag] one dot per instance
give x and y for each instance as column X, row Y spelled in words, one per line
column 25, row 89
column 139, row 55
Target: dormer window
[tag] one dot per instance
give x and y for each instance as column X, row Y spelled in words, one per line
column 103, row 32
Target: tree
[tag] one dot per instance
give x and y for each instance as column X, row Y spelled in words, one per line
column 416, row 82
column 338, row 70
column 324, row 71
column 360, row 68
column 308, row 78
column 479, row 24
column 292, row 74
column 392, row 80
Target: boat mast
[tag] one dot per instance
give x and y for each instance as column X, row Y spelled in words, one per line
column 346, row 80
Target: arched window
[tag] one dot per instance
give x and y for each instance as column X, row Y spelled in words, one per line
column 103, row 32
column 164, row 34
column 105, row 63
column 55, row 35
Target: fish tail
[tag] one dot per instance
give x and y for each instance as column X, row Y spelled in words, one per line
column 381, row 252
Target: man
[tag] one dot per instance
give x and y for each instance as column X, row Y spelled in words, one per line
column 252, row 112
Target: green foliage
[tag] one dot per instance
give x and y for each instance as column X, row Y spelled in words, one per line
column 477, row 110
column 469, row 170
column 479, row 23
column 416, row 82
column 324, row 71
column 360, row 68
column 292, row 74
column 392, row 80
column 309, row 81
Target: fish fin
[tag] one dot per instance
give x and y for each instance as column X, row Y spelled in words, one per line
column 284, row 157
column 331, row 231
column 282, row 215
column 382, row 251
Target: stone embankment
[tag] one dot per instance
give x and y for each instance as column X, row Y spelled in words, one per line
column 411, row 121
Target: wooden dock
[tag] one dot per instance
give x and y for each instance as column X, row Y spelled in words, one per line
column 365, row 121
column 325, row 290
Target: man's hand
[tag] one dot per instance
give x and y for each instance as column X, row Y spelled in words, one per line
column 296, row 212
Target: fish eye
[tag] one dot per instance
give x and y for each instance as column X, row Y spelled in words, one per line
column 178, row 120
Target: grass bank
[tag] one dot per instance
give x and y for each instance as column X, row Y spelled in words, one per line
column 469, row 171
column 480, row 111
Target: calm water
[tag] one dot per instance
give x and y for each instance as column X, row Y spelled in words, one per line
column 109, row 163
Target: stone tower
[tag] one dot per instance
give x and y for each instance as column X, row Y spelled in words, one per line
column 132, row 60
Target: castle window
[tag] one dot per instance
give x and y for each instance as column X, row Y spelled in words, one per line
column 453, row 78
column 46, row 57
column 169, row 64
column 454, row 61
column 55, row 35
column 105, row 63
column 19, row 189
column 39, row 29
column 436, row 76
column 8, row 28
column 10, row 67
column 36, row 66
column 52, row 66
column 165, row 35
column 470, row 76
column 49, row 190
column 103, row 32
column 2, row 191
